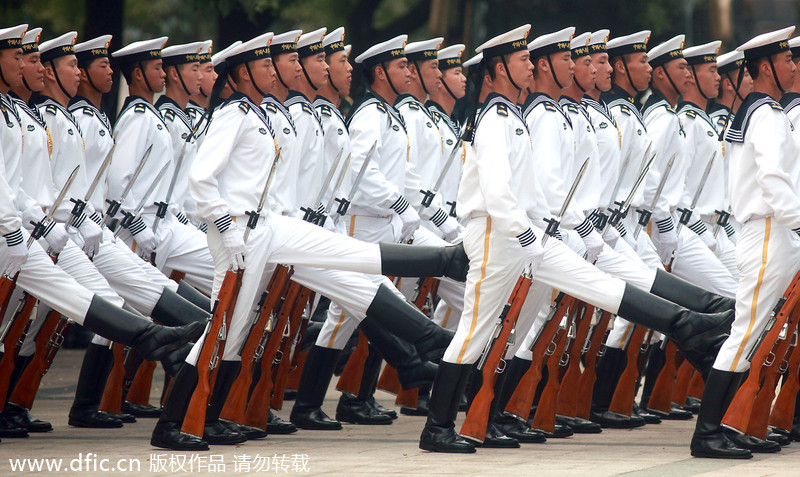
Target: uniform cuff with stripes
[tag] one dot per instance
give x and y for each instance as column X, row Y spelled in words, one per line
column 49, row 228
column 223, row 223
column 665, row 225
column 730, row 230
column 182, row 218
column 97, row 218
column 439, row 217
column 78, row 221
column 203, row 227
column 526, row 238
column 14, row 238
column 585, row 228
column 400, row 205
column 698, row 227
column 137, row 226
column 621, row 229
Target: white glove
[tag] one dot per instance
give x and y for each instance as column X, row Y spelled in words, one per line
column 146, row 241
column 702, row 231
column 451, row 229
column 56, row 237
column 534, row 252
column 408, row 216
column 108, row 235
column 17, row 253
column 611, row 235
column 594, row 245
column 92, row 237
column 665, row 238
column 233, row 242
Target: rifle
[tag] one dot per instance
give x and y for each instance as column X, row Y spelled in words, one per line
column 589, row 376
column 253, row 347
column 622, row 401
column 211, row 352
column 477, row 420
column 311, row 214
column 645, row 214
column 161, row 212
column 350, row 379
column 48, row 341
column 13, row 336
column 113, row 205
column 344, row 202
column 129, row 217
column 571, row 368
column 139, row 390
column 282, row 363
column 661, row 395
column 683, row 378
column 112, row 394
column 521, row 401
column 80, row 205
column 428, row 195
column 696, row 385
column 784, row 408
column 737, row 416
column 621, row 211
column 686, row 214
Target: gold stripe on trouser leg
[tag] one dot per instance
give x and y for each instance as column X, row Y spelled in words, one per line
column 754, row 304
column 350, row 232
column 477, row 290
column 447, row 317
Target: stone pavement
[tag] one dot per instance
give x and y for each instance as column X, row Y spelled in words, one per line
column 654, row 450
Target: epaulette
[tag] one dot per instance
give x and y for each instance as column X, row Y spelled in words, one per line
column 169, row 115
column 271, row 107
column 325, row 110
column 192, row 113
column 413, row 105
column 776, row 106
column 139, row 108
column 88, row 111
column 307, row 108
column 51, row 109
column 500, row 102
column 502, row 110
column 572, row 108
column 381, row 107
column 625, row 109
column 721, row 121
column 550, row 107
column 691, row 114
column 244, row 107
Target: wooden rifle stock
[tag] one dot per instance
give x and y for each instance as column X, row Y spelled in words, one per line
column 683, row 378
column 7, row 286
column 282, row 363
column 212, row 349
column 522, row 399
column 257, row 411
column 737, row 416
column 622, row 401
column 568, row 391
column 784, row 408
column 350, row 379
column 545, row 417
column 293, row 381
column 389, row 381
column 47, row 343
column 12, row 343
column 111, row 401
column 696, row 385
column 589, row 375
column 477, row 419
column 661, row 395
column 236, row 402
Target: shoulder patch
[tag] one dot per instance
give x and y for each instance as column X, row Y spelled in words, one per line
column 244, row 107
column 625, row 109
column 691, row 114
column 381, row 107
column 572, row 108
column 721, row 121
column 325, row 110
column 50, row 109
column 88, row 111
column 192, row 113
column 271, row 107
column 139, row 108
column 775, row 106
column 502, row 110
column 549, row 106
column 307, row 108
column 413, row 105
column 168, row 114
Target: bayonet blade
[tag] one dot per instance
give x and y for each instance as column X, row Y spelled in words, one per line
column 100, row 173
column 342, row 174
column 39, row 227
column 136, row 173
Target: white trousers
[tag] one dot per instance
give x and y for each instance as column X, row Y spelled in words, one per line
column 768, row 256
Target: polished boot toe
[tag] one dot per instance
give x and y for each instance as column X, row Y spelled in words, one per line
column 717, row 446
column 93, row 419
column 516, row 429
column 250, row 432
column 216, row 432
column 168, row 435
column 20, row 417
column 753, row 444
column 495, row 438
column 9, row 429
column 560, row 431
column 276, row 425
column 314, row 419
column 578, row 425
column 649, row 417
column 125, row 417
column 378, row 407
column 676, row 413
column 779, row 438
column 692, row 404
column 140, row 410
column 615, row 420
column 444, row 439
column 357, row 411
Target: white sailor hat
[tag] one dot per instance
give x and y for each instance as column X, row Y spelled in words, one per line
column 671, row 49
column 597, row 43
column 701, row 54
column 310, row 44
column 57, row 47
column 257, row 48
column 12, row 37
column 138, row 51
column 205, row 51
column 221, row 56
column 285, row 42
column 475, row 60
column 580, row 45
column 794, row 45
column 334, row 41
column 450, row 57
column 767, row 44
column 348, row 49
column 551, row 43
column 30, row 42
column 384, row 51
column 94, row 48
column 729, row 62
column 633, row 43
column 508, row 42
column 423, row 50
column 181, row 54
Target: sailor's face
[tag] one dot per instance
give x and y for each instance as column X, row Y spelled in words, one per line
column 192, row 76
column 340, row 72
column 156, row 77
column 33, row 71
column 784, row 68
column 288, row 65
column 317, row 69
column 604, row 69
column 399, row 74
column 707, row 79
column 563, row 67
column 68, row 73
column 521, row 68
column 680, row 74
column 12, row 65
column 99, row 70
column 430, row 74
column 456, row 81
column 639, row 70
column 209, row 77
column 263, row 74
column 585, row 73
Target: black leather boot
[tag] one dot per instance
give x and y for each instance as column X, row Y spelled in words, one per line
column 96, row 365
column 167, row 433
column 357, row 410
column 412, row 372
column 609, row 368
column 509, row 425
column 307, row 411
column 403, row 320
column 689, row 330
column 215, row 431
column 709, row 440
column 276, row 425
column 191, row 294
column 16, row 414
column 439, row 434
column 173, row 309
column 688, row 295
column 399, row 260
column 423, row 403
column 153, row 341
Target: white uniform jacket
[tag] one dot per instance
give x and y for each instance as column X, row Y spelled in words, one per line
column 98, row 137
column 283, row 195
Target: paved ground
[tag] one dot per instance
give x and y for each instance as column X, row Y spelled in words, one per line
column 359, row 450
